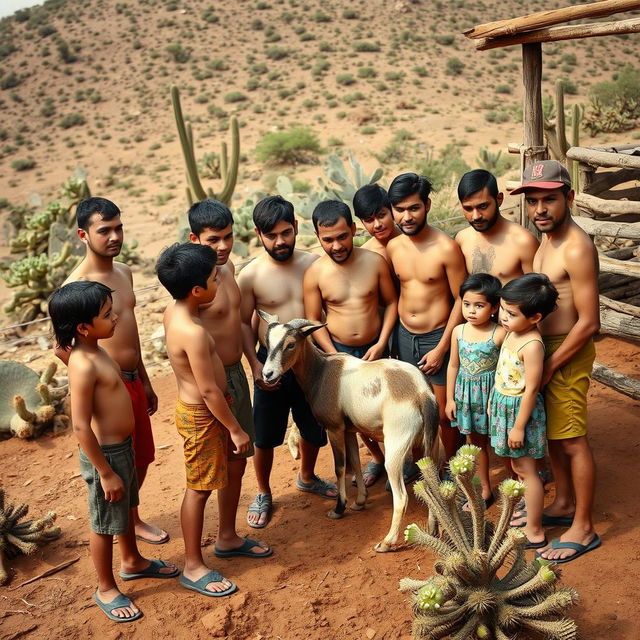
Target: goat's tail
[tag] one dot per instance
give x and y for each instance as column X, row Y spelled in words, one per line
column 431, row 420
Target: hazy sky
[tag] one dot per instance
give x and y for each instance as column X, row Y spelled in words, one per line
column 7, row 7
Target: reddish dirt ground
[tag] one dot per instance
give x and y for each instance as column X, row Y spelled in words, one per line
column 324, row 580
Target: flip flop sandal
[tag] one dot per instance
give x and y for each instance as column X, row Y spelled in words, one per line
column 163, row 540
column 262, row 504
column 580, row 549
column 243, row 550
column 523, row 514
column 119, row 602
column 373, row 469
column 536, row 545
column 152, row 571
column 199, row 586
column 317, row 486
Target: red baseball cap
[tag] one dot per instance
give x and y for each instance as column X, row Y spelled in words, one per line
column 544, row 174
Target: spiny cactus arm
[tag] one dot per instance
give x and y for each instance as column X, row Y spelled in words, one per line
column 520, row 571
column 431, row 628
column 21, row 409
column 232, row 171
column 376, row 175
column 564, row 629
column 187, row 149
column 502, row 635
column 409, row 584
column 23, row 547
column 462, row 468
column 429, row 473
column 514, row 539
column 49, row 372
column 224, row 161
column 542, row 581
column 43, row 392
column 413, row 534
column 456, row 567
column 553, row 604
column 468, row 629
column 61, row 258
column 510, row 493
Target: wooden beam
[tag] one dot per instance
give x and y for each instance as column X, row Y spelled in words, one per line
column 603, row 158
column 621, row 307
column 623, row 252
column 605, row 181
column 594, row 205
column 555, row 34
column 629, row 230
column 616, row 381
column 622, row 267
column 625, row 290
column 543, row 19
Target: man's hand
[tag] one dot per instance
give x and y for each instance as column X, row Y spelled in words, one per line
column 516, row 438
column 547, row 373
column 450, row 409
column 112, row 486
column 431, row 362
column 256, row 372
column 241, row 441
column 152, row 398
column 375, row 352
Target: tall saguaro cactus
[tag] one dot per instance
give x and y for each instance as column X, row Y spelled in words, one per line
column 228, row 166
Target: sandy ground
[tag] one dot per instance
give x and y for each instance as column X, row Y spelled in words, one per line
column 324, row 580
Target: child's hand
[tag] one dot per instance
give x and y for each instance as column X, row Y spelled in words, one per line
column 112, row 486
column 450, row 409
column 241, row 442
column 516, row 438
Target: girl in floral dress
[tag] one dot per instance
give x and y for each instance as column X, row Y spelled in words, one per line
column 517, row 417
column 474, row 354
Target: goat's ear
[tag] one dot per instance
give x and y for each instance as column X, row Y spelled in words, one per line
column 306, row 331
column 267, row 317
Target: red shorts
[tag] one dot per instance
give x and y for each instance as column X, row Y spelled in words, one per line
column 143, row 447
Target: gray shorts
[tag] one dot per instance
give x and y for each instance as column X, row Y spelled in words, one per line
column 238, row 389
column 111, row 518
column 412, row 346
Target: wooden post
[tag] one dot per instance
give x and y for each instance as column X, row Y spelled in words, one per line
column 532, row 111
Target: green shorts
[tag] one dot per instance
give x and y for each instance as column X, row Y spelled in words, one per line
column 111, row 518
column 238, row 389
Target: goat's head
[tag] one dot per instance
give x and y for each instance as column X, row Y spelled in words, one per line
column 283, row 343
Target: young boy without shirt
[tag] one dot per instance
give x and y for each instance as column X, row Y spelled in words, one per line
column 203, row 415
column 103, row 421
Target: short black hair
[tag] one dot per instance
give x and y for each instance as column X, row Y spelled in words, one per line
column 183, row 266
column 532, row 292
column 476, row 180
column 208, row 214
column 407, row 184
column 368, row 200
column 328, row 212
column 483, row 283
column 73, row 304
column 271, row 210
column 86, row 208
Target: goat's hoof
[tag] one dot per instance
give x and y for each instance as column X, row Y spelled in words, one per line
column 382, row 547
column 356, row 507
column 334, row 515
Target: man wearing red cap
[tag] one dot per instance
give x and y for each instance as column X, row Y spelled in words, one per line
column 568, row 257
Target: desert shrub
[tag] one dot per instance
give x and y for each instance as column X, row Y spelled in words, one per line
column 420, row 71
column 48, row 108
column 46, row 30
column 252, row 84
column 177, row 52
column 366, row 46
column 320, row 16
column 23, row 164
column 444, row 38
column 393, row 76
column 345, row 79
column 262, row 6
column 299, row 144
column 218, row 64
column 449, row 165
column 276, row 53
column 350, row 14
column 306, row 36
column 235, row 96
column 503, row 88
column 72, row 120
column 615, row 105
column 209, row 15
column 10, row 81
column 259, row 68
column 569, row 86
column 65, row 52
column 368, row 130
column 454, row 67
column 325, row 46
column 7, row 48
column 367, row 72
column 257, row 24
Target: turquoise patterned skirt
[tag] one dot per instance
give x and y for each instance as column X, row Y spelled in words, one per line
column 472, row 396
column 504, row 411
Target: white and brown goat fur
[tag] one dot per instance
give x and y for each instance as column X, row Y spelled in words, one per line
column 386, row 399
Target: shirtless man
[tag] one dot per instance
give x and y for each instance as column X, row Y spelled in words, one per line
column 273, row 283
column 430, row 267
column 350, row 285
column 211, row 223
column 492, row 244
column 568, row 257
column 100, row 229
column 371, row 204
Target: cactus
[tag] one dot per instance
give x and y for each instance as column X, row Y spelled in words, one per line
column 336, row 172
column 466, row 598
column 21, row 537
column 228, row 168
column 494, row 162
column 28, row 403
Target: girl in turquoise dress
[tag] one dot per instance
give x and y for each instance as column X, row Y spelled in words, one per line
column 517, row 418
column 474, row 354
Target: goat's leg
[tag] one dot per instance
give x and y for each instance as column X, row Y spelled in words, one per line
column 353, row 455
column 337, row 440
column 395, row 452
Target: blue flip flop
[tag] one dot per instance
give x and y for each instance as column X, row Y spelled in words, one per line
column 200, row 585
column 243, row 550
column 536, row 545
column 119, row 602
column 152, row 571
column 317, row 486
column 580, row 549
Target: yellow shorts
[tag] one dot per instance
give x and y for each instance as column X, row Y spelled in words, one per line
column 566, row 394
column 205, row 446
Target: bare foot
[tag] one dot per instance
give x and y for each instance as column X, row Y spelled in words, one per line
column 150, row 533
column 215, row 587
column 259, row 549
column 121, row 612
column 143, row 564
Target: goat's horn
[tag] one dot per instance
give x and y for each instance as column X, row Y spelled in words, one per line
column 267, row 317
column 300, row 323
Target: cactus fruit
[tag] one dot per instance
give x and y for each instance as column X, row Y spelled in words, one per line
column 28, row 403
column 21, row 537
column 467, row 598
column 228, row 165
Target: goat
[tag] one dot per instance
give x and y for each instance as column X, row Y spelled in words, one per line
column 387, row 400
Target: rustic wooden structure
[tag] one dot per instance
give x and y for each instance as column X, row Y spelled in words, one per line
column 607, row 179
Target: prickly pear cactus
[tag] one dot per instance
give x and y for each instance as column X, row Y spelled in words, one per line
column 21, row 537
column 484, row 587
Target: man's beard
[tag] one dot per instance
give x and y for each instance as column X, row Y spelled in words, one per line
column 107, row 252
column 417, row 230
column 343, row 259
column 489, row 223
column 279, row 254
column 556, row 223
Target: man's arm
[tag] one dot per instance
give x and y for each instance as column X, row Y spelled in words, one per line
column 452, row 374
column 198, row 353
column 313, row 308
column 82, row 383
column 583, row 279
column 528, row 246
column 389, row 299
